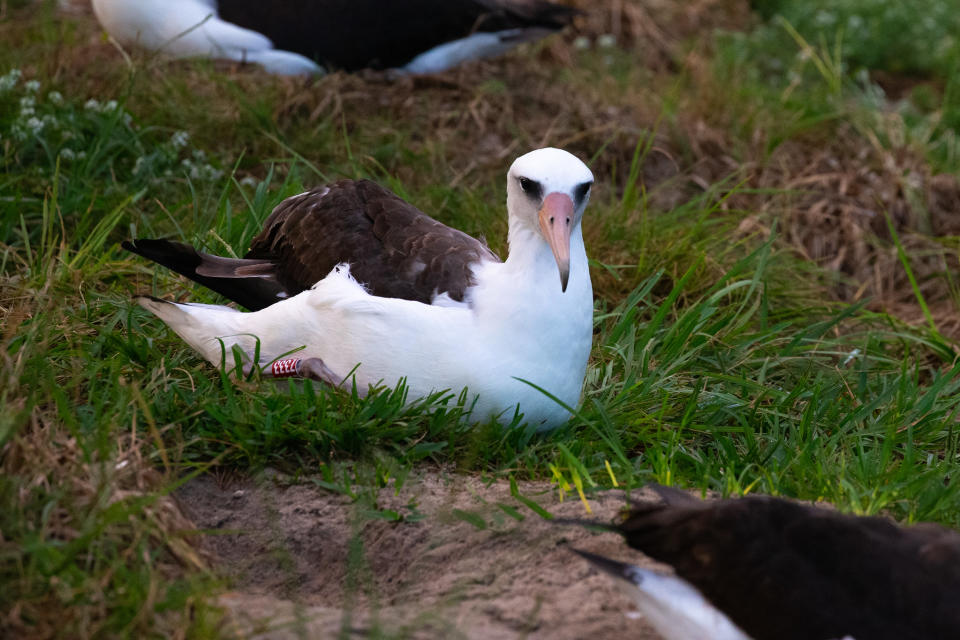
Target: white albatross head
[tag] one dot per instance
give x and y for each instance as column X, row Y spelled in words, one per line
column 547, row 191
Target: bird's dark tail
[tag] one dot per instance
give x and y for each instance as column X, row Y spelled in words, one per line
column 605, row 564
column 250, row 283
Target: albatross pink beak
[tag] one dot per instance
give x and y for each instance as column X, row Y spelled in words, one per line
column 556, row 219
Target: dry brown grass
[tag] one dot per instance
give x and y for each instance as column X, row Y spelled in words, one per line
column 75, row 490
column 96, row 513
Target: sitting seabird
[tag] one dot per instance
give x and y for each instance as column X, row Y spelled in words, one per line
column 305, row 36
column 782, row 570
column 354, row 279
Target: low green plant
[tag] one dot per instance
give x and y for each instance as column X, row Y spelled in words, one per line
column 917, row 38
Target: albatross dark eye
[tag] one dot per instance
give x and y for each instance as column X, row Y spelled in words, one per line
column 581, row 191
column 531, row 187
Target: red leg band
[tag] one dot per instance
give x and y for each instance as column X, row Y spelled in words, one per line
column 287, row 368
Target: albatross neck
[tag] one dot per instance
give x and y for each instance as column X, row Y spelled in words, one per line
column 531, row 255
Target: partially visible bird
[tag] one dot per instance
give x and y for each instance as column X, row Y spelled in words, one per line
column 782, row 570
column 354, row 279
column 295, row 37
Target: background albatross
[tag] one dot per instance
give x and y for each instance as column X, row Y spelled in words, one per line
column 365, row 282
column 304, row 36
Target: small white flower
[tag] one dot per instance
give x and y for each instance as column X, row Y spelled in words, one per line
column 55, row 98
column 32, row 86
column 26, row 112
column 200, row 171
column 35, row 125
column 27, row 101
column 607, row 41
column 248, row 181
column 110, row 106
column 9, row 81
column 850, row 356
column 179, row 139
column 581, row 42
column 50, row 122
column 92, row 105
column 81, row 155
column 67, row 153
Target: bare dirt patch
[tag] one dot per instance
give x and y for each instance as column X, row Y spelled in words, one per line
column 307, row 562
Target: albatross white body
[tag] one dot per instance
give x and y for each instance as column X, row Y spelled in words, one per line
column 519, row 322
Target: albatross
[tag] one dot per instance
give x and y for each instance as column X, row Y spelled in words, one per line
column 295, row 37
column 359, row 284
column 766, row 568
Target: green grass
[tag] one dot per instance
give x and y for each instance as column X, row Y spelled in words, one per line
column 842, row 54
column 719, row 361
column 919, row 38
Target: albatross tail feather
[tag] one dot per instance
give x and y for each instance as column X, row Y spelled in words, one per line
column 669, row 603
column 210, row 329
column 248, row 282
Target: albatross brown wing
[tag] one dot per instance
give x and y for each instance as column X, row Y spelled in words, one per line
column 393, row 248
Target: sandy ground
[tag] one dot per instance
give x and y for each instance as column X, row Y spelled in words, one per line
column 305, row 562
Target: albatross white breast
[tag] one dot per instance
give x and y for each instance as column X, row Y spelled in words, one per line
column 304, row 36
column 360, row 281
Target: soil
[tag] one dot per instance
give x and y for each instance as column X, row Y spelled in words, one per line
column 307, row 562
